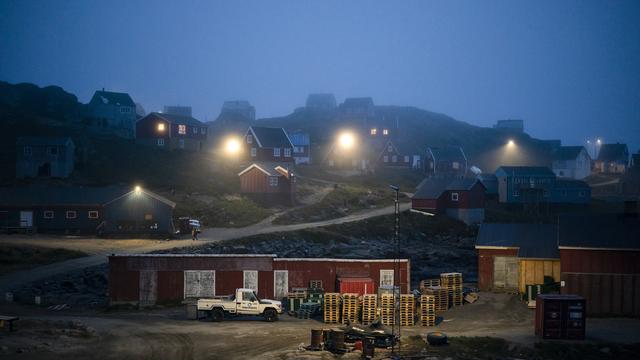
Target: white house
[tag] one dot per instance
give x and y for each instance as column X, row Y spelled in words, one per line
column 571, row 162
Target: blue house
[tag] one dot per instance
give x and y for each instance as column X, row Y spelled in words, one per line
column 538, row 184
column 301, row 147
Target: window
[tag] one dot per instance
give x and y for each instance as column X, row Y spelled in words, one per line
column 406, row 158
column 374, row 131
column 455, row 165
column 386, row 278
column 71, row 214
column 454, row 196
column 287, row 152
column 52, row 151
column 181, row 143
column 564, row 192
column 394, row 158
column 516, row 193
column 125, row 110
column 249, row 139
column 48, row 214
column 385, row 131
column 199, row 283
column 273, row 181
column 160, row 126
column 182, row 129
column 545, row 193
column 276, row 151
column 203, row 131
column 331, row 163
column 389, row 148
column 195, row 130
column 253, row 152
column 582, row 194
column 27, row 151
column 250, row 280
column 385, row 158
column 93, row 214
column 160, row 142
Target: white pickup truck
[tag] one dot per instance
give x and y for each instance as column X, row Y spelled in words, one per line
column 244, row 302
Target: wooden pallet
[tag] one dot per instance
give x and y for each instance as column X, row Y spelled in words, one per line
column 331, row 308
column 453, row 283
column 429, row 283
column 350, row 306
column 369, row 308
column 315, row 284
column 441, row 297
column 407, row 309
column 427, row 310
column 387, row 309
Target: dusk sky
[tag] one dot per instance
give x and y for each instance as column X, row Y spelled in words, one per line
column 570, row 69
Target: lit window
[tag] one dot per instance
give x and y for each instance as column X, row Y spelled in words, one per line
column 276, row 151
column 385, row 132
column 273, row 181
column 454, row 196
column 385, row 158
column 182, row 129
column 394, row 158
column 249, row 139
column 27, row 151
column 160, row 126
column 374, row 131
column 93, row 214
column 48, row 214
column 71, row 214
column 160, row 142
column 406, row 158
column 287, row 152
column 253, row 152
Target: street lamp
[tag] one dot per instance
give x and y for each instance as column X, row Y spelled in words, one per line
column 232, row 146
column 511, row 143
column 138, row 189
column 396, row 272
column 346, row 140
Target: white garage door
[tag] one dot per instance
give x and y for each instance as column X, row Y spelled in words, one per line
column 199, row 283
column 250, row 280
column 280, row 283
column 505, row 272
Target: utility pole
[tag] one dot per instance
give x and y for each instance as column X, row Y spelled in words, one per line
column 396, row 272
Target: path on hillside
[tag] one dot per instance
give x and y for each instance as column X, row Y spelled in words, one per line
column 103, row 248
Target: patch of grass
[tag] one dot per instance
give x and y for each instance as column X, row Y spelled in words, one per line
column 15, row 258
column 342, row 201
column 218, row 211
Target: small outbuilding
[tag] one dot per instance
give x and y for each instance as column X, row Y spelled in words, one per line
column 461, row 199
column 271, row 181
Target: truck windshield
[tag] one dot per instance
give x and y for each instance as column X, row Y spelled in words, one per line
column 249, row 296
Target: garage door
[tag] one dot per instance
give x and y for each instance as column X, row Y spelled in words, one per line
column 148, row 287
column 505, row 272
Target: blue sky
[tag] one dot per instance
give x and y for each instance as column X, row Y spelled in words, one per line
column 570, row 69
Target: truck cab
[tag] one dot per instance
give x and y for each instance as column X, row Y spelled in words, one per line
column 243, row 302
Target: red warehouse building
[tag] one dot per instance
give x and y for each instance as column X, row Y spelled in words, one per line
column 147, row 279
column 461, row 199
column 268, row 179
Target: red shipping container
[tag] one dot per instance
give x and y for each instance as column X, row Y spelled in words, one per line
column 358, row 286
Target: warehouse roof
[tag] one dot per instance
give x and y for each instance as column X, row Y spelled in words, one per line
column 433, row 187
column 538, row 241
column 602, row 231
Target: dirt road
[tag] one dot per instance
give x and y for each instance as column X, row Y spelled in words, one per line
column 100, row 248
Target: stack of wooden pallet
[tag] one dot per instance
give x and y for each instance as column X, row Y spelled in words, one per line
column 440, row 295
column 369, row 308
column 331, row 309
column 296, row 299
column 427, row 310
column 350, row 306
column 453, row 283
column 407, row 309
column 387, row 309
column 429, row 283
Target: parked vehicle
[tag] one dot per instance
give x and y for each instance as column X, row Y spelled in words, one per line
column 186, row 224
column 244, row 302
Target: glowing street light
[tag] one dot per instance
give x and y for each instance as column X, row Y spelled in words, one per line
column 138, row 189
column 511, row 142
column 232, row 146
column 346, row 140
column 599, row 141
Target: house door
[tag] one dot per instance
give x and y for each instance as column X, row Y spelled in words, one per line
column 505, row 272
column 280, row 283
column 250, row 280
column 26, row 219
column 148, row 287
column 44, row 170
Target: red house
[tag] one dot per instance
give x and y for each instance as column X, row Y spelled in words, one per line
column 267, row 144
column 398, row 154
column 461, row 199
column 273, row 180
column 171, row 131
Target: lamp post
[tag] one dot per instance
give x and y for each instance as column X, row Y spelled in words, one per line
column 396, row 272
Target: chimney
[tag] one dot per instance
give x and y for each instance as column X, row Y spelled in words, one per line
column 631, row 208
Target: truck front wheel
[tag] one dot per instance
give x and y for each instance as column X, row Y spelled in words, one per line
column 216, row 315
column 270, row 315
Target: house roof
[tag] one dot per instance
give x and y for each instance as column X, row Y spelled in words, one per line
column 114, row 98
column 179, row 119
column 567, row 152
column 524, row 171
column 447, row 153
column 433, row 187
column 299, row 139
column 268, row 137
column 269, row 168
column 609, row 152
column 537, row 241
column 571, row 184
column 68, row 195
column 490, row 182
column 602, row 231
column 43, row 141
